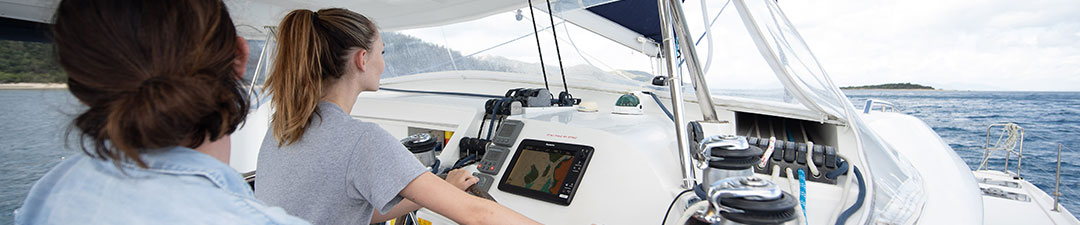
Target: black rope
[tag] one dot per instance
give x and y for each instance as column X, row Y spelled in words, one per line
column 551, row 17
column 668, row 212
column 536, row 33
column 481, row 130
column 842, row 219
column 658, row 103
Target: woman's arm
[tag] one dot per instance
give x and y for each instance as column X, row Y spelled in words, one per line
column 429, row 191
column 459, row 178
column 403, row 207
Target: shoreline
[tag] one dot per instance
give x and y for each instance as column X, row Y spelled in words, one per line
column 32, row 86
column 887, row 89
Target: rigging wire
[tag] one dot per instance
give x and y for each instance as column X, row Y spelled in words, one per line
column 551, row 17
column 540, row 51
column 707, row 32
column 704, row 18
column 567, row 30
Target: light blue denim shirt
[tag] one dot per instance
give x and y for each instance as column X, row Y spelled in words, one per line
column 180, row 186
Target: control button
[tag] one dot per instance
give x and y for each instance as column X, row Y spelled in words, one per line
column 563, row 196
column 492, row 168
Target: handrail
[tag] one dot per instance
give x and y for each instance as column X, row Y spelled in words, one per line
column 689, row 179
column 1012, row 136
column 677, row 21
column 870, row 103
column 1015, row 134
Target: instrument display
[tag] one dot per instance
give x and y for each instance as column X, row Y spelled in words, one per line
column 546, row 171
column 493, row 159
column 508, row 133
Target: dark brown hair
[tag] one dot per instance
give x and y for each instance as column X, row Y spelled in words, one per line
column 153, row 73
column 312, row 51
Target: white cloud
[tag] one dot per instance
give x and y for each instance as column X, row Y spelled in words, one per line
column 969, row 45
column 964, row 45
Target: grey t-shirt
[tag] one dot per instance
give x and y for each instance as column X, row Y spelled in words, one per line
column 338, row 172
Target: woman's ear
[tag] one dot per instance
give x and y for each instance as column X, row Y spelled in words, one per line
column 359, row 59
column 242, row 53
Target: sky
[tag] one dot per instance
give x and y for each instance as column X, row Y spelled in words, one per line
column 960, row 45
column 990, row 45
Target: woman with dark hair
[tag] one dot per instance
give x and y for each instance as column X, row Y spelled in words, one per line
column 160, row 83
column 318, row 162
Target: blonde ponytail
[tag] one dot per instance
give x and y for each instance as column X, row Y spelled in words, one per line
column 311, row 53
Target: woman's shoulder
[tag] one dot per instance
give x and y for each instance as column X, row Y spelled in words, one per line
column 371, row 134
column 332, row 118
column 136, row 196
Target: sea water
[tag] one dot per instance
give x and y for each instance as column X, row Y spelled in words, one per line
column 961, row 118
column 32, row 128
column 33, row 124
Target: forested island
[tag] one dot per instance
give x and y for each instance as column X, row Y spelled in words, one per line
column 33, row 63
column 28, row 62
column 904, row 86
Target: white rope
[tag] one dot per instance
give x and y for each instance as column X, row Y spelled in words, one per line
column 693, row 209
column 768, row 152
column 809, row 159
column 795, row 189
column 708, row 34
column 775, row 173
column 1007, row 140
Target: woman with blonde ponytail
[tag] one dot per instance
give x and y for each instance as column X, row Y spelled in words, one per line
column 160, row 82
column 318, row 162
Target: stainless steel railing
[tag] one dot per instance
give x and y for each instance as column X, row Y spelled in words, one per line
column 1010, row 140
column 1057, row 181
column 885, row 106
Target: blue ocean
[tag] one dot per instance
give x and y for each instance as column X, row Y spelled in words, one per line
column 33, row 124
column 961, row 119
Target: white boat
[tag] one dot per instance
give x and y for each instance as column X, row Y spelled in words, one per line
column 614, row 160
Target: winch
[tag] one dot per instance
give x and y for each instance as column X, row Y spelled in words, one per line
column 728, row 156
column 749, row 200
column 423, row 147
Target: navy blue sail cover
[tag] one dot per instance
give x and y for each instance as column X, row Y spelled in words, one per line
column 640, row 16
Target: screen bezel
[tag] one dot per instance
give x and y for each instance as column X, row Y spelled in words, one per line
column 581, row 154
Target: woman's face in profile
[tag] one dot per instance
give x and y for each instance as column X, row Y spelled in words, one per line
column 376, row 65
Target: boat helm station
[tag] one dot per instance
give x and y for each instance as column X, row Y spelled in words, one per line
column 679, row 144
column 573, row 149
column 734, row 121
column 657, row 152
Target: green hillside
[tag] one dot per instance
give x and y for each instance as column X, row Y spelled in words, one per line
column 28, row 62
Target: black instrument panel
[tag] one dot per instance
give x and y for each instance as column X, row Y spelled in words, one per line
column 546, row 171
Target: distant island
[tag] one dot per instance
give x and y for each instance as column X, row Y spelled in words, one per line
column 904, row 86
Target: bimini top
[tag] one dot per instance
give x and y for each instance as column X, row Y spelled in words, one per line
column 622, row 21
column 640, row 16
